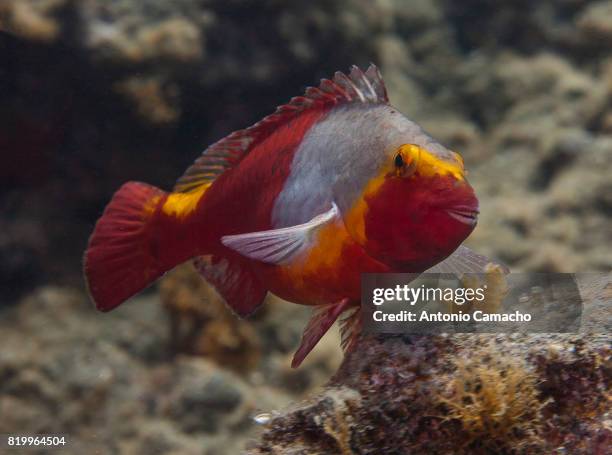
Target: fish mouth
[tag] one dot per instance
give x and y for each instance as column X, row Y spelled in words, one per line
column 465, row 215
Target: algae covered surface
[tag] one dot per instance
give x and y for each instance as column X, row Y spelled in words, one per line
column 95, row 93
column 460, row 394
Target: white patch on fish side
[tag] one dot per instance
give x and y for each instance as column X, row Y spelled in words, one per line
column 340, row 154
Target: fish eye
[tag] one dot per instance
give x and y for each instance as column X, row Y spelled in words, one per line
column 405, row 160
column 399, row 161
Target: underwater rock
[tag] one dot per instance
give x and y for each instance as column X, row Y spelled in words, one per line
column 204, row 398
column 596, row 21
column 111, row 383
column 456, row 394
column 201, row 324
column 34, row 20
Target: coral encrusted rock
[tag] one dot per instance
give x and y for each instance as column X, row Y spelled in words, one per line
column 460, row 394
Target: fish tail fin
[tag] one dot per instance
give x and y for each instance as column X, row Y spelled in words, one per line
column 133, row 244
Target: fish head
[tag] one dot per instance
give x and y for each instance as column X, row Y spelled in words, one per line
column 416, row 209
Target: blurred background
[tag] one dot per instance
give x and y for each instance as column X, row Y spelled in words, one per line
column 95, row 93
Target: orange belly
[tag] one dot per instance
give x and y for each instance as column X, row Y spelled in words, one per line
column 328, row 272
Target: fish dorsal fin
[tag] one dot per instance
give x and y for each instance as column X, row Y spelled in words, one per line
column 357, row 87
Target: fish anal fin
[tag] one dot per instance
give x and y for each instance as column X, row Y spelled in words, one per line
column 356, row 87
column 320, row 322
column 279, row 246
column 234, row 281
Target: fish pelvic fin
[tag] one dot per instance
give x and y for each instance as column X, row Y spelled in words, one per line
column 322, row 319
column 463, row 260
column 141, row 235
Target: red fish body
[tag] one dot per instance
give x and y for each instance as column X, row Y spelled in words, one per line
column 332, row 185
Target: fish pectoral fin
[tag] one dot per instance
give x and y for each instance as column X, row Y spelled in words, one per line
column 464, row 260
column 322, row 319
column 279, row 246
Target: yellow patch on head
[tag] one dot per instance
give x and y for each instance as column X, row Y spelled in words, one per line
column 182, row 204
column 428, row 164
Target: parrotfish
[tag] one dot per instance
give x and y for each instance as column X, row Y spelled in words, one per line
column 333, row 184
